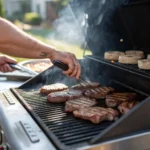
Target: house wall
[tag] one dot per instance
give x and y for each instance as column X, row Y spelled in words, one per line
column 12, row 6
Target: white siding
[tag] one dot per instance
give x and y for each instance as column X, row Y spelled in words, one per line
column 12, row 6
column 42, row 6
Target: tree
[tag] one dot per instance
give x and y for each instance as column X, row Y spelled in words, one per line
column 2, row 10
column 60, row 4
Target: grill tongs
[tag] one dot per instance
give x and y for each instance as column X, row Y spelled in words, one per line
column 65, row 67
column 23, row 69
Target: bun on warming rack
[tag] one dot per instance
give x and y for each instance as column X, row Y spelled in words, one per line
column 148, row 56
column 135, row 53
column 144, row 64
column 129, row 59
column 113, row 55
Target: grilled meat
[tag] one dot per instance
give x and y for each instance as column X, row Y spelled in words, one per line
column 63, row 96
column 78, row 103
column 127, row 106
column 53, row 88
column 86, row 86
column 116, row 99
column 96, row 114
column 99, row 92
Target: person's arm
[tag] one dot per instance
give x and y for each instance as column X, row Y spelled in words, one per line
column 15, row 42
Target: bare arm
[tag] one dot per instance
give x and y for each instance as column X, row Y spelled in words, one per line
column 17, row 43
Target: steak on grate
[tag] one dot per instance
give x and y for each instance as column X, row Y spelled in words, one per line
column 78, row 103
column 86, row 86
column 116, row 99
column 127, row 106
column 96, row 114
column 53, row 88
column 99, row 92
column 64, row 96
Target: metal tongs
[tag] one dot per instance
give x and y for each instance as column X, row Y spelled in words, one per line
column 65, row 67
column 22, row 69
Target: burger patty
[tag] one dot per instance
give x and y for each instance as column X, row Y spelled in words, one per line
column 116, row 99
column 96, row 114
column 99, row 92
column 64, row 96
column 78, row 103
column 86, row 86
column 53, row 88
column 127, row 106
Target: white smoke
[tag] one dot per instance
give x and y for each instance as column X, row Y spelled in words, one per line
column 68, row 28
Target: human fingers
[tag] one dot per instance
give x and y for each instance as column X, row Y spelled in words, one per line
column 10, row 60
column 76, row 69
column 69, row 61
column 7, row 68
column 79, row 70
column 1, row 68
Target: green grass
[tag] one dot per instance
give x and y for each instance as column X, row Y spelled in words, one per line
column 39, row 32
column 41, row 35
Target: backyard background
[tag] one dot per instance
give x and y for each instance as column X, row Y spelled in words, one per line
column 51, row 21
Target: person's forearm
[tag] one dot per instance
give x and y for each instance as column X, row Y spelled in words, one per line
column 15, row 42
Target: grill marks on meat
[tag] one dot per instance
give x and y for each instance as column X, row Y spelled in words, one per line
column 99, row 92
column 127, row 106
column 116, row 99
column 64, row 96
column 96, row 114
column 53, row 88
column 86, row 86
column 79, row 103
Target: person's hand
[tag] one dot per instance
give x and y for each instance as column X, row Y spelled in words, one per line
column 4, row 63
column 70, row 60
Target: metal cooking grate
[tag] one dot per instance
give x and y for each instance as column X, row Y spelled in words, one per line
column 67, row 129
column 133, row 68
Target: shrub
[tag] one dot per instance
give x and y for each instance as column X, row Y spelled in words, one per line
column 32, row 18
column 2, row 11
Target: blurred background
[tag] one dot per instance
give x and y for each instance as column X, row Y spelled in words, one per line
column 51, row 21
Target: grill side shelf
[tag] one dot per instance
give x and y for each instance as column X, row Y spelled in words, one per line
column 47, row 131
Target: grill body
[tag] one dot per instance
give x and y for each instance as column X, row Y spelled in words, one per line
column 58, row 130
column 67, row 132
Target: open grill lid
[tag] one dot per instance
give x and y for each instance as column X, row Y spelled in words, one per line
column 110, row 22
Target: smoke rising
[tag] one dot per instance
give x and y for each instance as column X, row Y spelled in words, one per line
column 86, row 21
column 67, row 27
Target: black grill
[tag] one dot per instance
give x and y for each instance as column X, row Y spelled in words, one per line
column 67, row 129
column 63, row 129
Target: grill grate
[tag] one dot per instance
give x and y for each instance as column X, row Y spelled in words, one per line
column 67, row 129
column 133, row 68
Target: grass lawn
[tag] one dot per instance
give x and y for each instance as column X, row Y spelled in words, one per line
column 39, row 32
column 41, row 35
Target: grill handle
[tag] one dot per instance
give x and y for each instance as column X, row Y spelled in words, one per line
column 61, row 65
